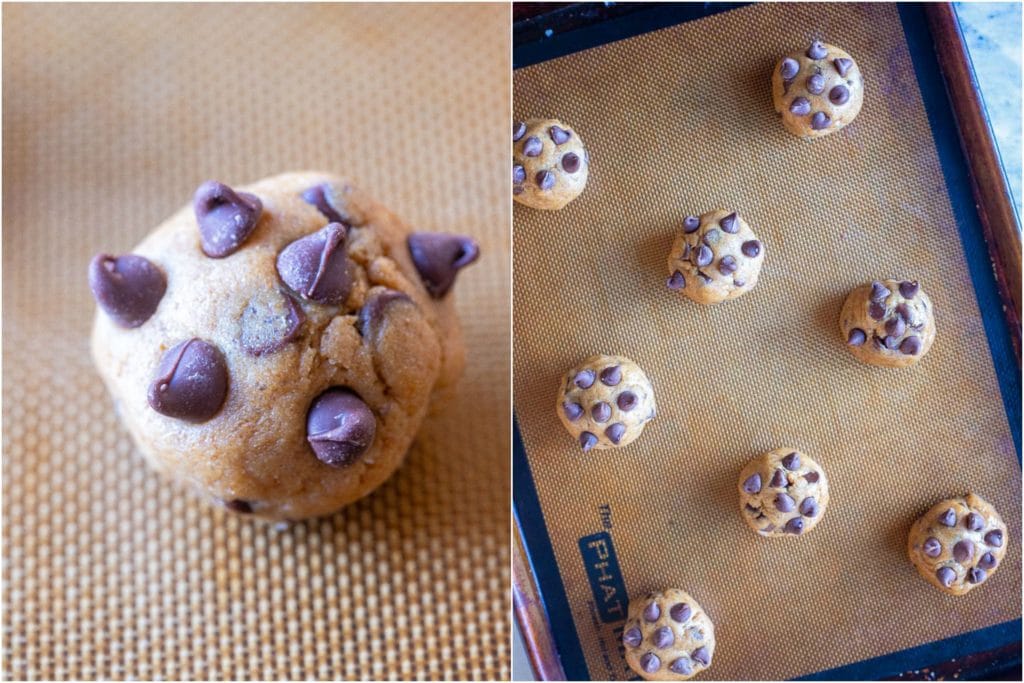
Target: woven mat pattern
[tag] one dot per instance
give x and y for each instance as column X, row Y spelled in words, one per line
column 113, row 115
column 680, row 121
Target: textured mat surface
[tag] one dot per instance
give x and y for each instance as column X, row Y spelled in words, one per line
column 113, row 115
column 680, row 121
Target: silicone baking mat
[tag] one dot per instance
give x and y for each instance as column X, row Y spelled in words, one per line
column 678, row 121
column 113, row 115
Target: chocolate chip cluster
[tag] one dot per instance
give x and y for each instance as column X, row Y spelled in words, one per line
column 783, row 492
column 550, row 165
column 888, row 322
column 667, row 636
column 818, row 91
column 715, row 257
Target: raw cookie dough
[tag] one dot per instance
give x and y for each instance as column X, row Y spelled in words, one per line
column 549, row 164
column 668, row 637
column 714, row 257
column 277, row 346
column 783, row 493
column 889, row 323
column 605, row 401
column 958, row 544
column 817, row 91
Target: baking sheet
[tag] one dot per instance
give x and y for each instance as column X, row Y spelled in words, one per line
column 113, row 115
column 680, row 121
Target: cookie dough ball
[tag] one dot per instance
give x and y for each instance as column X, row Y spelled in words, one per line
column 783, row 493
column 958, row 544
column 714, row 257
column 668, row 637
column 549, row 164
column 889, row 323
column 277, row 346
column 605, row 401
column 817, row 91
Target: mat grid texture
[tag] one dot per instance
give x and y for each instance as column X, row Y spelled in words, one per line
column 113, row 115
column 680, row 121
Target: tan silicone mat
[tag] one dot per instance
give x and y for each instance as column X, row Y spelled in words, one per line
column 113, row 115
column 680, row 121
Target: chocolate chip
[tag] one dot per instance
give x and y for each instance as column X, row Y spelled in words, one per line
column 816, row 84
column 322, row 197
column 778, row 480
column 987, row 561
column 439, row 258
column 704, row 256
column 890, row 342
column 895, row 326
column 817, row 50
column 701, row 656
column 545, row 179
column 587, row 441
column 963, row 551
column 340, row 427
column 650, row 662
column 584, row 379
column 808, row 507
column 946, row 576
column 570, row 162
column 751, row 248
column 948, row 518
column 770, row 527
column 794, row 526
column 876, row 310
column 792, row 461
column 682, row 666
column 559, row 135
column 663, row 637
column 842, row 65
column 909, row 289
column 615, row 432
column 910, row 346
column 994, row 538
column 518, row 174
column 974, row 521
column 690, row 224
column 932, row 547
column 727, row 265
column 239, row 505
column 680, row 612
column 601, row 411
column 712, row 237
column 800, row 106
column 676, row 281
column 857, row 337
column 738, row 282
column 226, row 218
column 533, row 146
column 686, row 251
column 626, row 401
column 976, row 575
column 518, row 130
column 903, row 311
column 269, row 322
column 191, row 382
column 611, row 376
column 753, row 510
column 820, row 121
column 316, row 267
column 572, row 410
column 753, row 483
column 879, row 292
column 632, row 637
column 789, row 68
column 784, row 503
column 730, row 224
column 517, row 189
column 128, row 288
column 811, row 477
column 652, row 612
column 838, row 95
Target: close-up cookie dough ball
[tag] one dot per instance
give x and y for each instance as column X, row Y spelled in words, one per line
column 715, row 257
column 549, row 163
column 889, row 323
column 958, row 544
column 277, row 346
column 783, row 493
column 668, row 636
column 605, row 401
column 817, row 91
